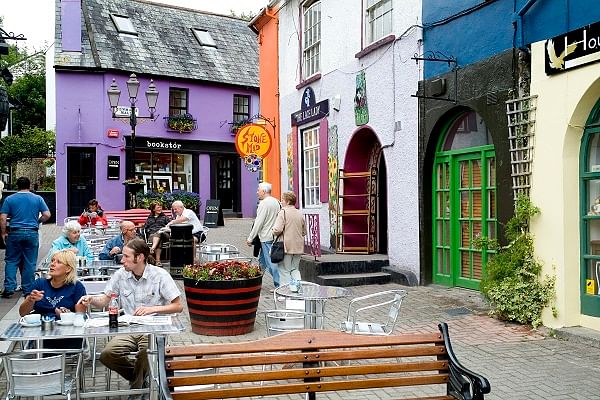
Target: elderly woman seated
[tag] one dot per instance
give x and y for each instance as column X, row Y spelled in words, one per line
column 72, row 241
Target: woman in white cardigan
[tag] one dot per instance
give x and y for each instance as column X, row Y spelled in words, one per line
column 290, row 225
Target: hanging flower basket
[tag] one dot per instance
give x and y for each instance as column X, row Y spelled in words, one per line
column 182, row 123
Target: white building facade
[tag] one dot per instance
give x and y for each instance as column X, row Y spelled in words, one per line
column 349, row 122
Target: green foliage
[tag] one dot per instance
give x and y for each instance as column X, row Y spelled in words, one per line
column 28, row 91
column 33, row 143
column 28, row 94
column 512, row 282
column 181, row 122
column 190, row 200
column 245, row 16
column 47, row 183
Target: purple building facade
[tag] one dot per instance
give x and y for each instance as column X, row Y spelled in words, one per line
column 216, row 83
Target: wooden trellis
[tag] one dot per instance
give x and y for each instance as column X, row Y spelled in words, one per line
column 521, row 130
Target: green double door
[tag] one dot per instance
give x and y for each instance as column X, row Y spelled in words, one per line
column 464, row 208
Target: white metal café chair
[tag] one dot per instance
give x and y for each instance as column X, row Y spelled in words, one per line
column 42, row 372
column 93, row 284
column 281, row 321
column 365, row 306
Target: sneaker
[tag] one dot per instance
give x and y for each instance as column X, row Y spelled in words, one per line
column 7, row 294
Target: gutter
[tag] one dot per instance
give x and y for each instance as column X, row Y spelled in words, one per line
column 518, row 19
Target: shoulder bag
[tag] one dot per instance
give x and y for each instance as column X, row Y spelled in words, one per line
column 277, row 251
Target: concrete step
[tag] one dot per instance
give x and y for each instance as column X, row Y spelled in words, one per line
column 336, row 264
column 344, row 280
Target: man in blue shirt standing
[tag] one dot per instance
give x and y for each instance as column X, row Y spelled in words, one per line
column 22, row 239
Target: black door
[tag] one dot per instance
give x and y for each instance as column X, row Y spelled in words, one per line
column 226, row 170
column 81, row 178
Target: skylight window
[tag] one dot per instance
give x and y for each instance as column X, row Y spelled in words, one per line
column 204, row 37
column 123, row 24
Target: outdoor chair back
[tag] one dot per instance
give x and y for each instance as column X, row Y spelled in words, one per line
column 370, row 307
column 42, row 372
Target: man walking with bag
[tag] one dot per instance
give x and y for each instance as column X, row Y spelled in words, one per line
column 266, row 214
column 22, row 239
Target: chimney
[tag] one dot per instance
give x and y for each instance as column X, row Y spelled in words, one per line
column 70, row 25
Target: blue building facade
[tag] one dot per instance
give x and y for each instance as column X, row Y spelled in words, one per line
column 493, row 70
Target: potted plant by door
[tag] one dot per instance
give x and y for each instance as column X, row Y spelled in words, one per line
column 222, row 296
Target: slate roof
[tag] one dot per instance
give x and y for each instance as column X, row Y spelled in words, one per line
column 165, row 44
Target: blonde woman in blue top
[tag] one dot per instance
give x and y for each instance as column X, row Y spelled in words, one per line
column 71, row 240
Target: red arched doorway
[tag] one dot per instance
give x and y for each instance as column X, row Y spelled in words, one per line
column 362, row 197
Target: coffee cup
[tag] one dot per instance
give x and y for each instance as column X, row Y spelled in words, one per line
column 67, row 317
column 31, row 318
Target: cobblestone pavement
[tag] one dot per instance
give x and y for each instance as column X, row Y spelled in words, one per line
column 519, row 362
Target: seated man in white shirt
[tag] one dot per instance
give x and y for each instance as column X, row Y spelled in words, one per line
column 142, row 289
column 186, row 216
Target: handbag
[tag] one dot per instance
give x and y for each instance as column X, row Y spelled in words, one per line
column 277, row 251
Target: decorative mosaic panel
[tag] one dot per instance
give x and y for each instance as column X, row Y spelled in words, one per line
column 290, row 160
column 361, row 110
column 332, row 159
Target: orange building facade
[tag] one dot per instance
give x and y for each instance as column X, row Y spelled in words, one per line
column 265, row 24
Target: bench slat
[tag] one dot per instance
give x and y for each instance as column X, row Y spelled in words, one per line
column 237, row 360
column 311, row 339
column 248, row 391
column 302, row 373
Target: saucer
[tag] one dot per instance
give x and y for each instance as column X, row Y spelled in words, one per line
column 64, row 323
column 28, row 325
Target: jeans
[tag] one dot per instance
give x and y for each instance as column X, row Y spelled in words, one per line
column 21, row 247
column 289, row 268
column 264, row 261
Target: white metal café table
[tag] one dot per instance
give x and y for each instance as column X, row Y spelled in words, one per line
column 314, row 297
column 16, row 332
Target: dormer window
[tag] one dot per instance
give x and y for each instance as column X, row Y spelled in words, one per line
column 123, row 24
column 204, row 37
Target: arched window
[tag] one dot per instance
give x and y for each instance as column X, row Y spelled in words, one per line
column 468, row 130
column 589, row 162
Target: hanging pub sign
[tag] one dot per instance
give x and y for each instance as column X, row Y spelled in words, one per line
column 113, row 167
column 573, row 49
column 309, row 110
column 253, row 139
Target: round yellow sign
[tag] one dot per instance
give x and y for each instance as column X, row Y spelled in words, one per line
column 253, row 139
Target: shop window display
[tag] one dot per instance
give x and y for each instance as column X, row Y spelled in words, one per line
column 164, row 172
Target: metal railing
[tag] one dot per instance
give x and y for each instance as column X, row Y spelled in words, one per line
column 312, row 240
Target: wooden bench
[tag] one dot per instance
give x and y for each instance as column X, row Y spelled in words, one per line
column 416, row 366
column 136, row 215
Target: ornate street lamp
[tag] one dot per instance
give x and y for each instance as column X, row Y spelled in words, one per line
column 133, row 86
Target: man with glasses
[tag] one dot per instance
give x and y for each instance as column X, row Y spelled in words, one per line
column 114, row 247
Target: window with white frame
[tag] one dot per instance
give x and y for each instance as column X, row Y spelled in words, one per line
column 310, row 166
column 379, row 19
column 123, row 24
column 311, row 38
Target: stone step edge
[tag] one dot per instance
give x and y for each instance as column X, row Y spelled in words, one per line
column 354, row 276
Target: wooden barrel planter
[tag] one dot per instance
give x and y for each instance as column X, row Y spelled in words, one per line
column 222, row 308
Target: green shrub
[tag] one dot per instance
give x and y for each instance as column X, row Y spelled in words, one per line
column 512, row 283
column 190, row 200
